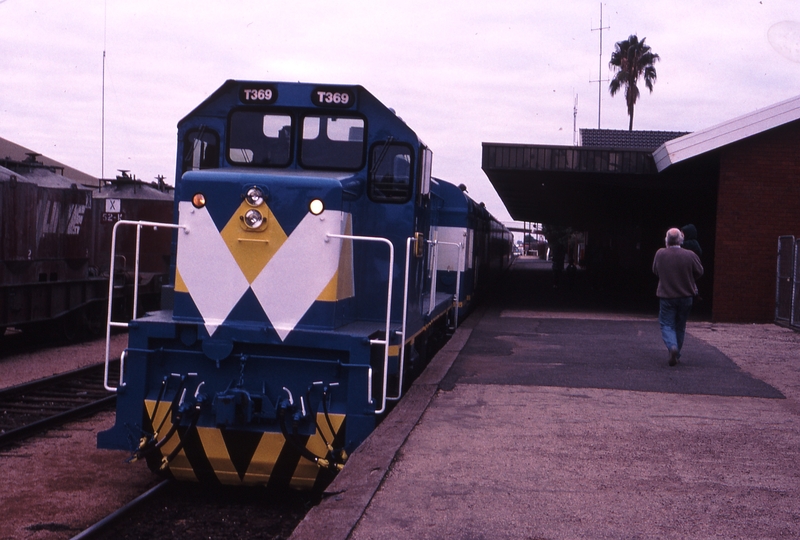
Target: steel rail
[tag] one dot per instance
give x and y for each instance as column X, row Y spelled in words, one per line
column 121, row 512
column 58, row 418
column 23, row 432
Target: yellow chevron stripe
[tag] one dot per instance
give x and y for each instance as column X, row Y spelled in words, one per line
column 315, row 444
column 180, row 466
column 253, row 249
column 426, row 327
column 217, row 454
column 306, row 472
column 262, row 462
column 268, row 451
column 180, row 285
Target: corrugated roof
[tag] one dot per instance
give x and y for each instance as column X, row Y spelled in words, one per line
column 618, row 138
column 731, row 131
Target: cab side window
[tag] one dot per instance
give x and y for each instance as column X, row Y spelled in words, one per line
column 200, row 150
column 390, row 173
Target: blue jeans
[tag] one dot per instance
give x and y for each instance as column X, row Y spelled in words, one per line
column 672, row 316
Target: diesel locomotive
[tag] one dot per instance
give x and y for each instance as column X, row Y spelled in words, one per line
column 314, row 261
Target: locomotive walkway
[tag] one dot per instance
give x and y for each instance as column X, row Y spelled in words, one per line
column 547, row 417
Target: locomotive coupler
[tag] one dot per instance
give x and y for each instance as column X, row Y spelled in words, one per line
column 237, row 406
column 233, row 407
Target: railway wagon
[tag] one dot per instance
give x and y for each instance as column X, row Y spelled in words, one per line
column 45, row 245
column 126, row 198
column 487, row 245
column 308, row 253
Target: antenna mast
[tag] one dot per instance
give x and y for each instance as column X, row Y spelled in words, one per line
column 103, row 103
column 103, row 124
column 600, row 79
column 575, row 122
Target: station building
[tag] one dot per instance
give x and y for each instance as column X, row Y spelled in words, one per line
column 738, row 182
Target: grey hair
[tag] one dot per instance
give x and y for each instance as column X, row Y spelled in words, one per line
column 674, row 237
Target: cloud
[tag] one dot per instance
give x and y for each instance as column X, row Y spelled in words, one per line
column 458, row 72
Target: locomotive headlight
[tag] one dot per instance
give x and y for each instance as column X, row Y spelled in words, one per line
column 253, row 219
column 254, row 196
column 199, row 200
column 316, row 207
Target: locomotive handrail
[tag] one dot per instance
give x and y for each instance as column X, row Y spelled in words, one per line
column 385, row 341
column 434, row 267
column 111, row 269
column 404, row 323
column 457, row 295
column 434, row 271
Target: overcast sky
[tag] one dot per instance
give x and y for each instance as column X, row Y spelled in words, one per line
column 458, row 72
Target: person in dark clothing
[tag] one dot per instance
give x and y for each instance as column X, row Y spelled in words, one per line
column 559, row 253
column 690, row 239
column 677, row 270
column 690, row 242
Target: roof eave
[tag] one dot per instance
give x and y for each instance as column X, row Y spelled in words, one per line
column 731, row 131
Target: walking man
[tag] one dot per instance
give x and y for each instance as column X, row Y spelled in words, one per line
column 677, row 269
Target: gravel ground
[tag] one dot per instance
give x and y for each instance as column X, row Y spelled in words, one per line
column 55, row 485
column 767, row 351
column 26, row 367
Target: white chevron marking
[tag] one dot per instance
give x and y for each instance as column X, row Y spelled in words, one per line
column 212, row 276
column 307, row 252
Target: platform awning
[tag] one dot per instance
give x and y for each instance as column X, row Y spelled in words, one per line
column 566, row 184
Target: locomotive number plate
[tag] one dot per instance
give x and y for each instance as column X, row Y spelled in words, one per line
column 333, row 97
column 261, row 93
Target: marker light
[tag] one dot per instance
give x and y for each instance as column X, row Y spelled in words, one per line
column 316, row 207
column 254, row 196
column 253, row 219
column 199, row 200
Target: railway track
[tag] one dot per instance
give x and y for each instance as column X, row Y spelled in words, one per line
column 179, row 510
column 96, row 530
column 34, row 407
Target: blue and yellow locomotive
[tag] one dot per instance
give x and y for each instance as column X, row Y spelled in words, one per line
column 314, row 258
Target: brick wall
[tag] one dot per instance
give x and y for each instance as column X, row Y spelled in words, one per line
column 758, row 201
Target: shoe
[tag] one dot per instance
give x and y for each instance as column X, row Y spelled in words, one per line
column 673, row 357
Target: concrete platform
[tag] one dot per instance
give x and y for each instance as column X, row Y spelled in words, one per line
column 552, row 413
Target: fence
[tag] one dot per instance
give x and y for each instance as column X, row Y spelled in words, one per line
column 787, row 287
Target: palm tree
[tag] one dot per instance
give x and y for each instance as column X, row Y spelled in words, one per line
column 632, row 59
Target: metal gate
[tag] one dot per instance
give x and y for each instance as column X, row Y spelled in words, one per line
column 787, row 288
column 795, row 320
